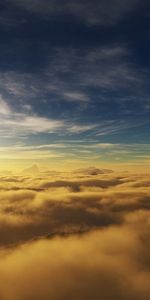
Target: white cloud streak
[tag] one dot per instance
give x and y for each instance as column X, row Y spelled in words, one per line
column 14, row 123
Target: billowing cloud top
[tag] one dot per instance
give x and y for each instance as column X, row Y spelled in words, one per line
column 74, row 236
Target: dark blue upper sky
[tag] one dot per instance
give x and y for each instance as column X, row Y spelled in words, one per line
column 74, row 70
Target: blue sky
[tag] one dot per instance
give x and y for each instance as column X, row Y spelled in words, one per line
column 74, row 75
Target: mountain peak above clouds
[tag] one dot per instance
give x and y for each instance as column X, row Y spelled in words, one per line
column 93, row 171
column 31, row 170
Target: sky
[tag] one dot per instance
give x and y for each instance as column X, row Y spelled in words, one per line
column 74, row 150
column 74, row 83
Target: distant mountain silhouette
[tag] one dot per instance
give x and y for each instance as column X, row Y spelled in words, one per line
column 31, row 170
column 93, row 171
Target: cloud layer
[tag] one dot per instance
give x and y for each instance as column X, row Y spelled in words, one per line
column 106, row 13
column 62, row 242
column 75, row 236
column 32, row 207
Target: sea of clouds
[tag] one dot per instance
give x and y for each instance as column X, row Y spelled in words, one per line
column 75, row 236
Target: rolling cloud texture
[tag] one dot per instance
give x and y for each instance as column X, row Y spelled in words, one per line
column 75, row 236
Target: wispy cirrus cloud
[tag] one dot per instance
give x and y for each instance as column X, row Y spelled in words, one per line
column 75, row 97
column 19, row 123
column 105, row 13
column 78, row 151
column 70, row 71
column 64, row 89
column 103, row 67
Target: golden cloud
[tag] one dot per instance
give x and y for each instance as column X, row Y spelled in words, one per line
column 74, row 237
